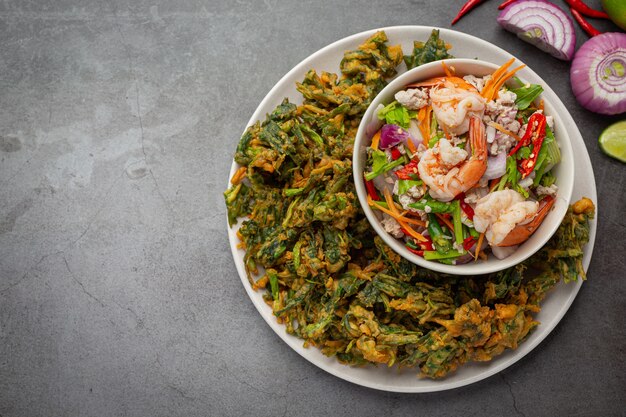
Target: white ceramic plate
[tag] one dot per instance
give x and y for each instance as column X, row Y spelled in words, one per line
column 554, row 306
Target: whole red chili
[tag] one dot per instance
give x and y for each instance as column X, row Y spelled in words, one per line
column 581, row 7
column 506, row 3
column 466, row 8
column 587, row 27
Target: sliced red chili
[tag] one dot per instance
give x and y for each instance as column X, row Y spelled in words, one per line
column 535, row 123
column 526, row 166
column 415, row 251
column 468, row 242
column 427, row 245
column 408, row 172
column 467, row 209
column 371, row 190
column 395, row 154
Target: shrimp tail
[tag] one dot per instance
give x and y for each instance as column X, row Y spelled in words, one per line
column 522, row 232
column 475, row 168
column 478, row 139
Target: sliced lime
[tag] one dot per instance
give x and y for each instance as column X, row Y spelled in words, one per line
column 613, row 141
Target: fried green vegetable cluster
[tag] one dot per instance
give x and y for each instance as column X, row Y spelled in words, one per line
column 434, row 49
column 330, row 280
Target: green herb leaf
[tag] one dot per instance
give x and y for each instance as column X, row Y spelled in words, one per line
column 526, row 95
column 396, row 114
column 405, row 185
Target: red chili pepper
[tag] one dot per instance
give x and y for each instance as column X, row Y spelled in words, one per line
column 415, row 251
column 526, row 166
column 395, row 154
column 587, row 27
column 537, row 118
column 468, row 242
column 506, row 3
column 467, row 209
column 404, row 231
column 466, row 8
column 408, row 172
column 371, row 190
column 581, row 7
column 427, row 245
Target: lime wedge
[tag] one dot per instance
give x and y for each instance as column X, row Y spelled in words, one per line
column 613, row 141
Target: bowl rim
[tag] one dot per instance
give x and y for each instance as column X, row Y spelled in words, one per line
column 546, row 230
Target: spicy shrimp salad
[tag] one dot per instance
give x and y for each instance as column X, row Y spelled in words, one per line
column 462, row 165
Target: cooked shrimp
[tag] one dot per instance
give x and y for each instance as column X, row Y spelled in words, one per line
column 522, row 232
column 445, row 169
column 454, row 104
column 499, row 212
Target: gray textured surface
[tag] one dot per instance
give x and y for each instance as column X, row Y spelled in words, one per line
column 118, row 293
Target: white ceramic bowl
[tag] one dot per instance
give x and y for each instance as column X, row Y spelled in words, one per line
column 564, row 171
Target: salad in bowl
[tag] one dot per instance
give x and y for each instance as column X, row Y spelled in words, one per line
column 459, row 163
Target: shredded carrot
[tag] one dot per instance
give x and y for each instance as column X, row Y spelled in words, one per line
column 505, row 131
column 395, row 215
column 446, row 69
column 494, row 183
column 424, row 126
column 478, row 245
column 457, row 81
column 498, row 78
column 239, row 175
column 445, row 221
column 411, row 146
column 406, row 227
column 495, row 77
column 375, row 140
column 446, row 132
column 503, row 79
column 412, row 220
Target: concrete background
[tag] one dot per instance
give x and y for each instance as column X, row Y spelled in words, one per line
column 118, row 292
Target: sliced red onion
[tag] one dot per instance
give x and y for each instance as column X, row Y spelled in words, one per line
column 598, row 74
column 542, row 24
column 380, row 182
column 391, row 135
column 415, row 133
column 496, row 166
column 491, row 133
column 463, row 259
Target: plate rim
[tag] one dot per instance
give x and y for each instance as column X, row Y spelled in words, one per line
column 439, row 385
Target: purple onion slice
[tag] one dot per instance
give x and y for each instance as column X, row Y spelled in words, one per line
column 598, row 74
column 542, row 24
